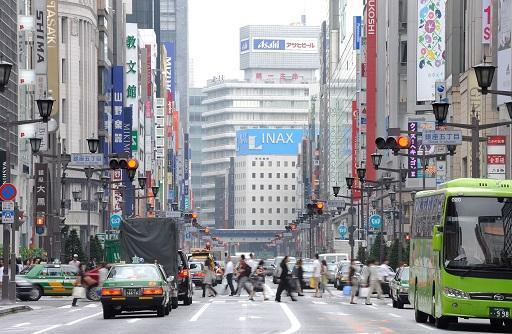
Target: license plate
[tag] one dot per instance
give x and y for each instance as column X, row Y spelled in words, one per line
column 499, row 312
column 131, row 292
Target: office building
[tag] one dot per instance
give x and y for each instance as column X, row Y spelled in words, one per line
column 196, row 109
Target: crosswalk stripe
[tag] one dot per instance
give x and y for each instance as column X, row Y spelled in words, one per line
column 92, row 305
column 65, row 306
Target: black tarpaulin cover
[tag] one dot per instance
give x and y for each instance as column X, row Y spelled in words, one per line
column 151, row 239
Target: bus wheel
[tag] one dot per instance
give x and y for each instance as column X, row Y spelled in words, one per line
column 419, row 316
column 442, row 322
column 496, row 323
column 508, row 325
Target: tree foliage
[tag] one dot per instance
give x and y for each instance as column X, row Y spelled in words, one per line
column 74, row 246
column 96, row 249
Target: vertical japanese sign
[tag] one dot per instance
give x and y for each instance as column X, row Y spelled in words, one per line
column 504, row 51
column 40, row 47
column 41, row 183
column 430, row 48
column 117, row 195
column 355, row 193
column 117, row 109
column 3, row 167
column 186, row 170
column 52, row 40
column 149, row 84
column 371, row 84
column 357, row 33
column 486, row 21
column 131, row 69
column 413, row 150
column 170, row 68
column 496, row 157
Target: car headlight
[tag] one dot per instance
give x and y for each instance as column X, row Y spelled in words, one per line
column 450, row 292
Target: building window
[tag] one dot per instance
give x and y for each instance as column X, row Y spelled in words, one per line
column 286, row 163
column 270, row 222
column 278, row 198
column 262, row 163
column 286, row 221
column 278, row 175
column 293, row 198
column 270, row 163
column 269, row 210
column 279, row 164
column 293, row 210
column 254, row 198
column 269, row 187
column 269, row 175
column 293, row 175
column 253, row 175
column 278, row 187
column 278, row 210
column 253, row 210
column 254, row 222
column 285, row 175
column 262, row 210
column 278, row 222
column 286, row 198
column 285, row 187
column 254, row 163
column 270, row 198
column 253, row 187
column 262, row 187
column 262, row 222
column 285, row 210
column 293, row 163
column 262, row 198
column 293, row 187
column 262, row 175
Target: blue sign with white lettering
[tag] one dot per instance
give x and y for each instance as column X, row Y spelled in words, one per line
column 375, row 221
column 115, row 221
column 357, row 33
column 268, row 44
column 244, row 45
column 342, row 230
column 268, row 141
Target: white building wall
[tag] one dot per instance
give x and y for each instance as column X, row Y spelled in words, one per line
column 266, row 196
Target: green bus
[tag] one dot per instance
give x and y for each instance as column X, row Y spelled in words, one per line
column 461, row 253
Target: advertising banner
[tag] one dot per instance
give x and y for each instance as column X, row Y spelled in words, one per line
column 268, row 141
column 413, row 149
column 504, row 74
column 3, row 167
column 117, row 109
column 268, row 44
column 41, row 184
column 131, row 71
column 355, row 193
column 170, row 68
column 486, row 21
column 40, row 47
column 357, row 33
column 496, row 157
column 244, row 46
column 430, row 60
column 371, row 84
column 52, row 40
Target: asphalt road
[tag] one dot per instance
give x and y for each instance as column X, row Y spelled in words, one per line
column 224, row 314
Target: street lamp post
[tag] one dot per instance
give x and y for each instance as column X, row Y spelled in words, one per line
column 45, row 106
column 93, row 144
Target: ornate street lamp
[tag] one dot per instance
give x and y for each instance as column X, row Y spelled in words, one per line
column 5, row 73
column 387, row 182
column 35, row 144
column 440, row 111
column 484, row 75
column 392, row 196
column 403, row 174
column 361, row 174
column 93, row 144
column 142, row 181
column 376, row 160
column 77, row 195
column 155, row 189
column 350, row 181
column 45, row 106
column 99, row 194
column 336, row 190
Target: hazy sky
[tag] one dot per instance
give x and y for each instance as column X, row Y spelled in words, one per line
column 214, row 29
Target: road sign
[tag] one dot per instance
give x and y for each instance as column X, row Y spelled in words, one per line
column 188, row 236
column 8, row 192
column 441, row 137
column 375, row 221
column 39, row 229
column 8, row 212
column 115, row 221
column 86, row 159
column 342, row 230
column 173, row 214
column 337, row 203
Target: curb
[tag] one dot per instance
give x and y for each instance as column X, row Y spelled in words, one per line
column 15, row 309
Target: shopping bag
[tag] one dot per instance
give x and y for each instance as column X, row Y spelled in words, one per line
column 89, row 281
column 78, row 292
column 312, row 283
column 363, row 292
column 347, row 290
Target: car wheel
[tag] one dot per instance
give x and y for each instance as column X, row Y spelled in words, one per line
column 174, row 302
column 394, row 303
column 160, row 311
column 93, row 293
column 187, row 300
column 496, row 324
column 35, row 294
column 168, row 308
column 399, row 304
column 108, row 312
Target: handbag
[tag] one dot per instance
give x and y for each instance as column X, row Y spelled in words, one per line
column 78, row 292
column 312, row 283
column 363, row 292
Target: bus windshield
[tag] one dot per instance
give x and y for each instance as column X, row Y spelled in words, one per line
column 478, row 233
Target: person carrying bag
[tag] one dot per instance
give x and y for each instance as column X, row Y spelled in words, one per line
column 79, row 288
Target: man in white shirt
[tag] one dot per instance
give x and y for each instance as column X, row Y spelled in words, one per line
column 75, row 261
column 316, row 274
column 252, row 263
column 228, row 272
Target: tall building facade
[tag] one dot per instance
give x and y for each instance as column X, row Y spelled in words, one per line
column 196, row 109
column 279, row 64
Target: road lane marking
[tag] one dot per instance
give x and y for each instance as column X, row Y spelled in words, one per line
column 295, row 324
column 390, row 305
column 91, row 305
column 74, row 310
column 319, row 303
column 219, row 301
column 21, row 325
column 65, row 306
column 47, row 329
column 425, row 326
column 242, row 318
column 131, row 321
column 394, row 315
column 84, row 318
column 371, row 306
column 198, row 313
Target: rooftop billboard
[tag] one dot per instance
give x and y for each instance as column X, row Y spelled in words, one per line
column 268, row 141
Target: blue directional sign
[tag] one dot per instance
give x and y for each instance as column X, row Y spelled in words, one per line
column 342, row 230
column 375, row 221
column 39, row 229
column 115, row 221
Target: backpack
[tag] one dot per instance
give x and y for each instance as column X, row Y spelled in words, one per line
column 248, row 270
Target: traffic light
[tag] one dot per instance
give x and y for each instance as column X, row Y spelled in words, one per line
column 130, row 164
column 194, row 216
column 40, row 221
column 407, row 236
column 393, row 143
column 315, row 208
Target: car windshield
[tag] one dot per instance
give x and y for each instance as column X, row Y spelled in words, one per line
column 199, row 267
column 134, row 272
column 331, row 267
column 308, row 267
column 478, row 233
column 26, row 270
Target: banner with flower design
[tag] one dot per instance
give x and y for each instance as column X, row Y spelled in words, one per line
column 431, row 48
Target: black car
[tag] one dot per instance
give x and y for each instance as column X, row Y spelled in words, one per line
column 184, row 280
